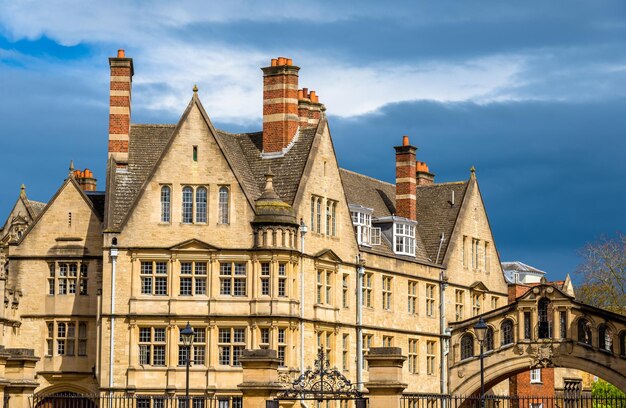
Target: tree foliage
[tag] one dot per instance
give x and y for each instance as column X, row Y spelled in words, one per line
column 604, row 273
column 603, row 389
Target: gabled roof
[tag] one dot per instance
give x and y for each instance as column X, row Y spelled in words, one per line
column 91, row 203
column 148, row 144
column 435, row 212
column 145, row 146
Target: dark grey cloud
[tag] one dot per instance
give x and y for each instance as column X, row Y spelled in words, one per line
column 551, row 173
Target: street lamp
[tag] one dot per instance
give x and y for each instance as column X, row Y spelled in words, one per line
column 187, row 335
column 480, row 329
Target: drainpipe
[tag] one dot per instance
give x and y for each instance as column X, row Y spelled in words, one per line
column 303, row 231
column 359, row 321
column 444, row 344
column 113, row 254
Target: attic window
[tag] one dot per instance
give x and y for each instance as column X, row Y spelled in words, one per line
column 404, row 238
column 362, row 223
column 195, row 153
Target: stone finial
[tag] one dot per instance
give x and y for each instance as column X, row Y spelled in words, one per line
column 71, row 173
column 23, row 191
column 195, row 89
column 472, row 169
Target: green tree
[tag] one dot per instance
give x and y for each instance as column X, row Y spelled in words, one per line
column 603, row 389
column 604, row 273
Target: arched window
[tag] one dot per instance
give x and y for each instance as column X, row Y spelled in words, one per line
column 605, row 338
column 506, row 333
column 187, row 205
column 467, row 346
column 584, row 331
column 543, row 307
column 488, row 342
column 201, row 204
column 223, row 206
column 622, row 343
column 165, row 203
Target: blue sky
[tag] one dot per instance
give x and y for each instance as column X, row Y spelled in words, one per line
column 531, row 93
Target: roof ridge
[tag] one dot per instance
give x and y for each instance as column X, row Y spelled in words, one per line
column 225, row 132
column 153, row 124
column 367, row 177
column 446, row 183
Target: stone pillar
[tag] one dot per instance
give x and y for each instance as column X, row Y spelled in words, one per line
column 385, row 384
column 260, row 377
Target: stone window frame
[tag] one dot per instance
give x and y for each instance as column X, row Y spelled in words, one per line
column 467, row 346
column 412, row 297
column 223, row 205
column 153, row 280
column 233, row 283
column 459, row 304
column 63, row 280
column 430, row 299
column 231, row 341
column 413, row 355
column 198, row 348
column 152, row 346
column 196, row 276
column 431, row 357
column 72, row 341
column 191, row 204
column 507, row 332
column 166, row 203
column 387, row 292
column 367, row 288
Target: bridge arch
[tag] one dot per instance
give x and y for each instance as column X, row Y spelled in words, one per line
column 542, row 328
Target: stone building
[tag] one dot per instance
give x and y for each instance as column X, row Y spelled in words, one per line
column 258, row 240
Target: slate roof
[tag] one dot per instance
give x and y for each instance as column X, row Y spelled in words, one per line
column 35, row 206
column 144, row 149
column 244, row 153
column 435, row 213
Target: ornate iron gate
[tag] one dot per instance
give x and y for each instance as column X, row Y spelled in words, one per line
column 321, row 384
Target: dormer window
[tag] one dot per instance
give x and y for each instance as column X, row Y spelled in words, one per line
column 362, row 222
column 404, row 238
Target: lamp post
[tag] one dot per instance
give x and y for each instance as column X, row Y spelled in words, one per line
column 480, row 329
column 187, row 335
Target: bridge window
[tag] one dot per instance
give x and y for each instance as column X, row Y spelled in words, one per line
column 563, row 324
column 467, row 346
column 527, row 325
column 605, row 338
column 622, row 343
column 543, row 311
column 488, row 343
column 584, row 331
column 506, row 333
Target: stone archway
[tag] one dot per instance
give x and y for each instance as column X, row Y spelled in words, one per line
column 549, row 329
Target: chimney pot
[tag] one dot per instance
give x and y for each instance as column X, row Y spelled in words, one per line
column 305, row 91
column 314, row 97
column 121, row 53
column 289, row 61
column 274, row 62
column 300, row 94
column 405, row 140
column 281, row 61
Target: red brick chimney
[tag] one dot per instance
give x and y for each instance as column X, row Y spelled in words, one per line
column 280, row 104
column 119, row 106
column 422, row 175
column 309, row 108
column 406, row 204
column 85, row 179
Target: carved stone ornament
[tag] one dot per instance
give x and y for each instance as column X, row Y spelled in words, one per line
column 542, row 355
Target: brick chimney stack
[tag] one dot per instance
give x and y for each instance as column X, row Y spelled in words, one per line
column 423, row 176
column 309, row 108
column 85, row 179
column 280, row 104
column 119, row 106
column 406, row 204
